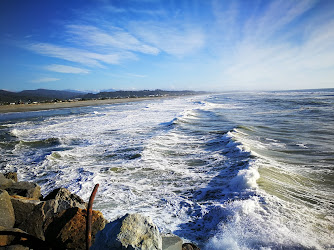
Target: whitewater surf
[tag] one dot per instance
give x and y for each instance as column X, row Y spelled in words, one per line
column 226, row 171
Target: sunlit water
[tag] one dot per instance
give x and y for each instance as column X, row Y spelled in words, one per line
column 226, row 171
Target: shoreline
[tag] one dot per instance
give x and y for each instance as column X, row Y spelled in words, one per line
column 59, row 105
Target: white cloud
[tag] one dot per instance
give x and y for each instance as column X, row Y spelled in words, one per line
column 285, row 65
column 66, row 69
column 45, row 79
column 175, row 39
column 117, row 10
column 226, row 14
column 114, row 38
column 274, row 42
column 77, row 55
column 276, row 50
column 277, row 16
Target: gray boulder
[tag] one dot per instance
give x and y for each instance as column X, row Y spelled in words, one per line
column 7, row 216
column 23, row 208
column 132, row 231
column 11, row 176
column 171, row 242
column 65, row 199
column 25, row 189
column 4, row 182
column 34, row 221
column 41, row 213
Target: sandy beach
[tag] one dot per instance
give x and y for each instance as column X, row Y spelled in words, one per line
column 58, row 105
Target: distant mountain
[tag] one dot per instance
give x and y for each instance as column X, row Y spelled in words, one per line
column 38, row 95
column 46, row 95
column 7, row 96
column 50, row 94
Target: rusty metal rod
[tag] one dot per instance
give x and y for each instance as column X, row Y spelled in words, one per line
column 89, row 217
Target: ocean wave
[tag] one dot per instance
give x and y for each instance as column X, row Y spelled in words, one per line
column 202, row 167
column 48, row 142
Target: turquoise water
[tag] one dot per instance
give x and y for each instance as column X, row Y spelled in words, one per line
column 227, row 171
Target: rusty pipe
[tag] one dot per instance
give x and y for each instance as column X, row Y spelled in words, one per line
column 89, row 218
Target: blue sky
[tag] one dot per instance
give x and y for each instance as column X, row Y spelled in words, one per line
column 148, row 44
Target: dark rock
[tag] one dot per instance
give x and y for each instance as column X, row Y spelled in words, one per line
column 67, row 229
column 65, row 199
column 23, row 208
column 132, row 231
column 7, row 239
column 190, row 246
column 14, row 238
column 43, row 212
column 14, row 247
column 11, row 176
column 4, row 182
column 7, row 216
column 171, row 242
column 25, row 189
column 34, row 221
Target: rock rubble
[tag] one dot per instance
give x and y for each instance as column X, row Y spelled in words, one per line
column 58, row 221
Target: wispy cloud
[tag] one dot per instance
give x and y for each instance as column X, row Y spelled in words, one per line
column 66, row 69
column 254, row 44
column 175, row 40
column 113, row 9
column 114, row 38
column 277, row 16
column 106, row 43
column 45, row 79
column 226, row 18
column 116, row 10
column 77, row 55
column 267, row 57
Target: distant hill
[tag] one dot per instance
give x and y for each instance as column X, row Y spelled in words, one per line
column 50, row 94
column 46, row 95
column 38, row 95
column 7, row 96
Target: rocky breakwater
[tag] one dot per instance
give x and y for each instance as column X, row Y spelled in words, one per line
column 58, row 221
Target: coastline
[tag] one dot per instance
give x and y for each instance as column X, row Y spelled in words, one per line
column 59, row 105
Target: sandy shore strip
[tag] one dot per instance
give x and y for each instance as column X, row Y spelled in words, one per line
column 59, row 105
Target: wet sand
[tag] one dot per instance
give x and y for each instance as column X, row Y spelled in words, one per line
column 58, row 105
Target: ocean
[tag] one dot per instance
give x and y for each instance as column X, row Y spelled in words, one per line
column 231, row 170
